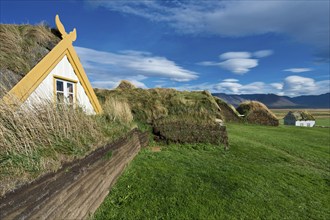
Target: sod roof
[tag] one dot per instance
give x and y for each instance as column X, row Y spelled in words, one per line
column 148, row 105
column 257, row 113
column 228, row 111
column 21, row 48
column 301, row 115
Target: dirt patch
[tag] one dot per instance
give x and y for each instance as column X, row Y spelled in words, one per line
column 156, row 149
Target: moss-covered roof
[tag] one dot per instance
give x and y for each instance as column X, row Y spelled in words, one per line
column 149, row 105
column 21, row 48
column 301, row 115
column 228, row 111
column 257, row 113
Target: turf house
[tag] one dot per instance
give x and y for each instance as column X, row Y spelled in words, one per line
column 257, row 113
column 39, row 63
column 299, row 118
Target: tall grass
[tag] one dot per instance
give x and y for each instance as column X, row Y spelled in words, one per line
column 40, row 138
column 117, row 110
column 22, row 46
column 149, row 105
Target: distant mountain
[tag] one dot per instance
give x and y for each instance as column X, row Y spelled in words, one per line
column 320, row 101
column 275, row 101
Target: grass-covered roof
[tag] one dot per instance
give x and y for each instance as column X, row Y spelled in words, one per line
column 302, row 115
column 149, row 105
column 21, row 48
column 257, row 113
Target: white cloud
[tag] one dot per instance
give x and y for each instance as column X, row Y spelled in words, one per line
column 298, row 70
column 239, row 66
column 230, row 80
column 104, row 84
column 238, row 62
column 277, row 86
column 232, row 87
column 113, row 84
column 297, row 85
column 208, row 63
column 305, row 21
column 291, row 86
column 106, row 68
column 262, row 53
column 235, row 55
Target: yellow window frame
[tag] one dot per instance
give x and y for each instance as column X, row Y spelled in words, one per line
column 65, row 79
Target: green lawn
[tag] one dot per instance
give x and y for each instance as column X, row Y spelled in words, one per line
column 269, row 173
column 323, row 122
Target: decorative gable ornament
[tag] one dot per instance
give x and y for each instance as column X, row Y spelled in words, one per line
column 59, row 77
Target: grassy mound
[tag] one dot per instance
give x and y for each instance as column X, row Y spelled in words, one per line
column 149, row 105
column 228, row 111
column 179, row 117
column 22, row 47
column 257, row 113
column 124, row 84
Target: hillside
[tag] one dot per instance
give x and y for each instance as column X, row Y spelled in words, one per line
column 275, row 101
column 320, row 101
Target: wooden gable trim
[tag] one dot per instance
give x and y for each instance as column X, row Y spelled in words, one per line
column 24, row 88
column 80, row 72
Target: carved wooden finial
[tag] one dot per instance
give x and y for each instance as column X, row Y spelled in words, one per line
column 73, row 34
column 60, row 26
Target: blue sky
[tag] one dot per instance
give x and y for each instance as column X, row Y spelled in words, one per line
column 235, row 47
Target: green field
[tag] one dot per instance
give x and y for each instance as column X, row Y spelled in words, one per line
column 269, row 173
column 322, row 116
column 317, row 113
column 323, row 122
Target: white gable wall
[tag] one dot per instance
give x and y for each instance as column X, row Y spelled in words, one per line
column 305, row 123
column 45, row 91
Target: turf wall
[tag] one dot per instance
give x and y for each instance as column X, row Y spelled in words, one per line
column 76, row 190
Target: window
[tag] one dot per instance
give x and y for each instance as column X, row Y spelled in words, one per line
column 64, row 91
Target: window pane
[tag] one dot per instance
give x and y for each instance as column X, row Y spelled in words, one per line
column 70, row 98
column 69, row 86
column 60, row 97
column 59, row 85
